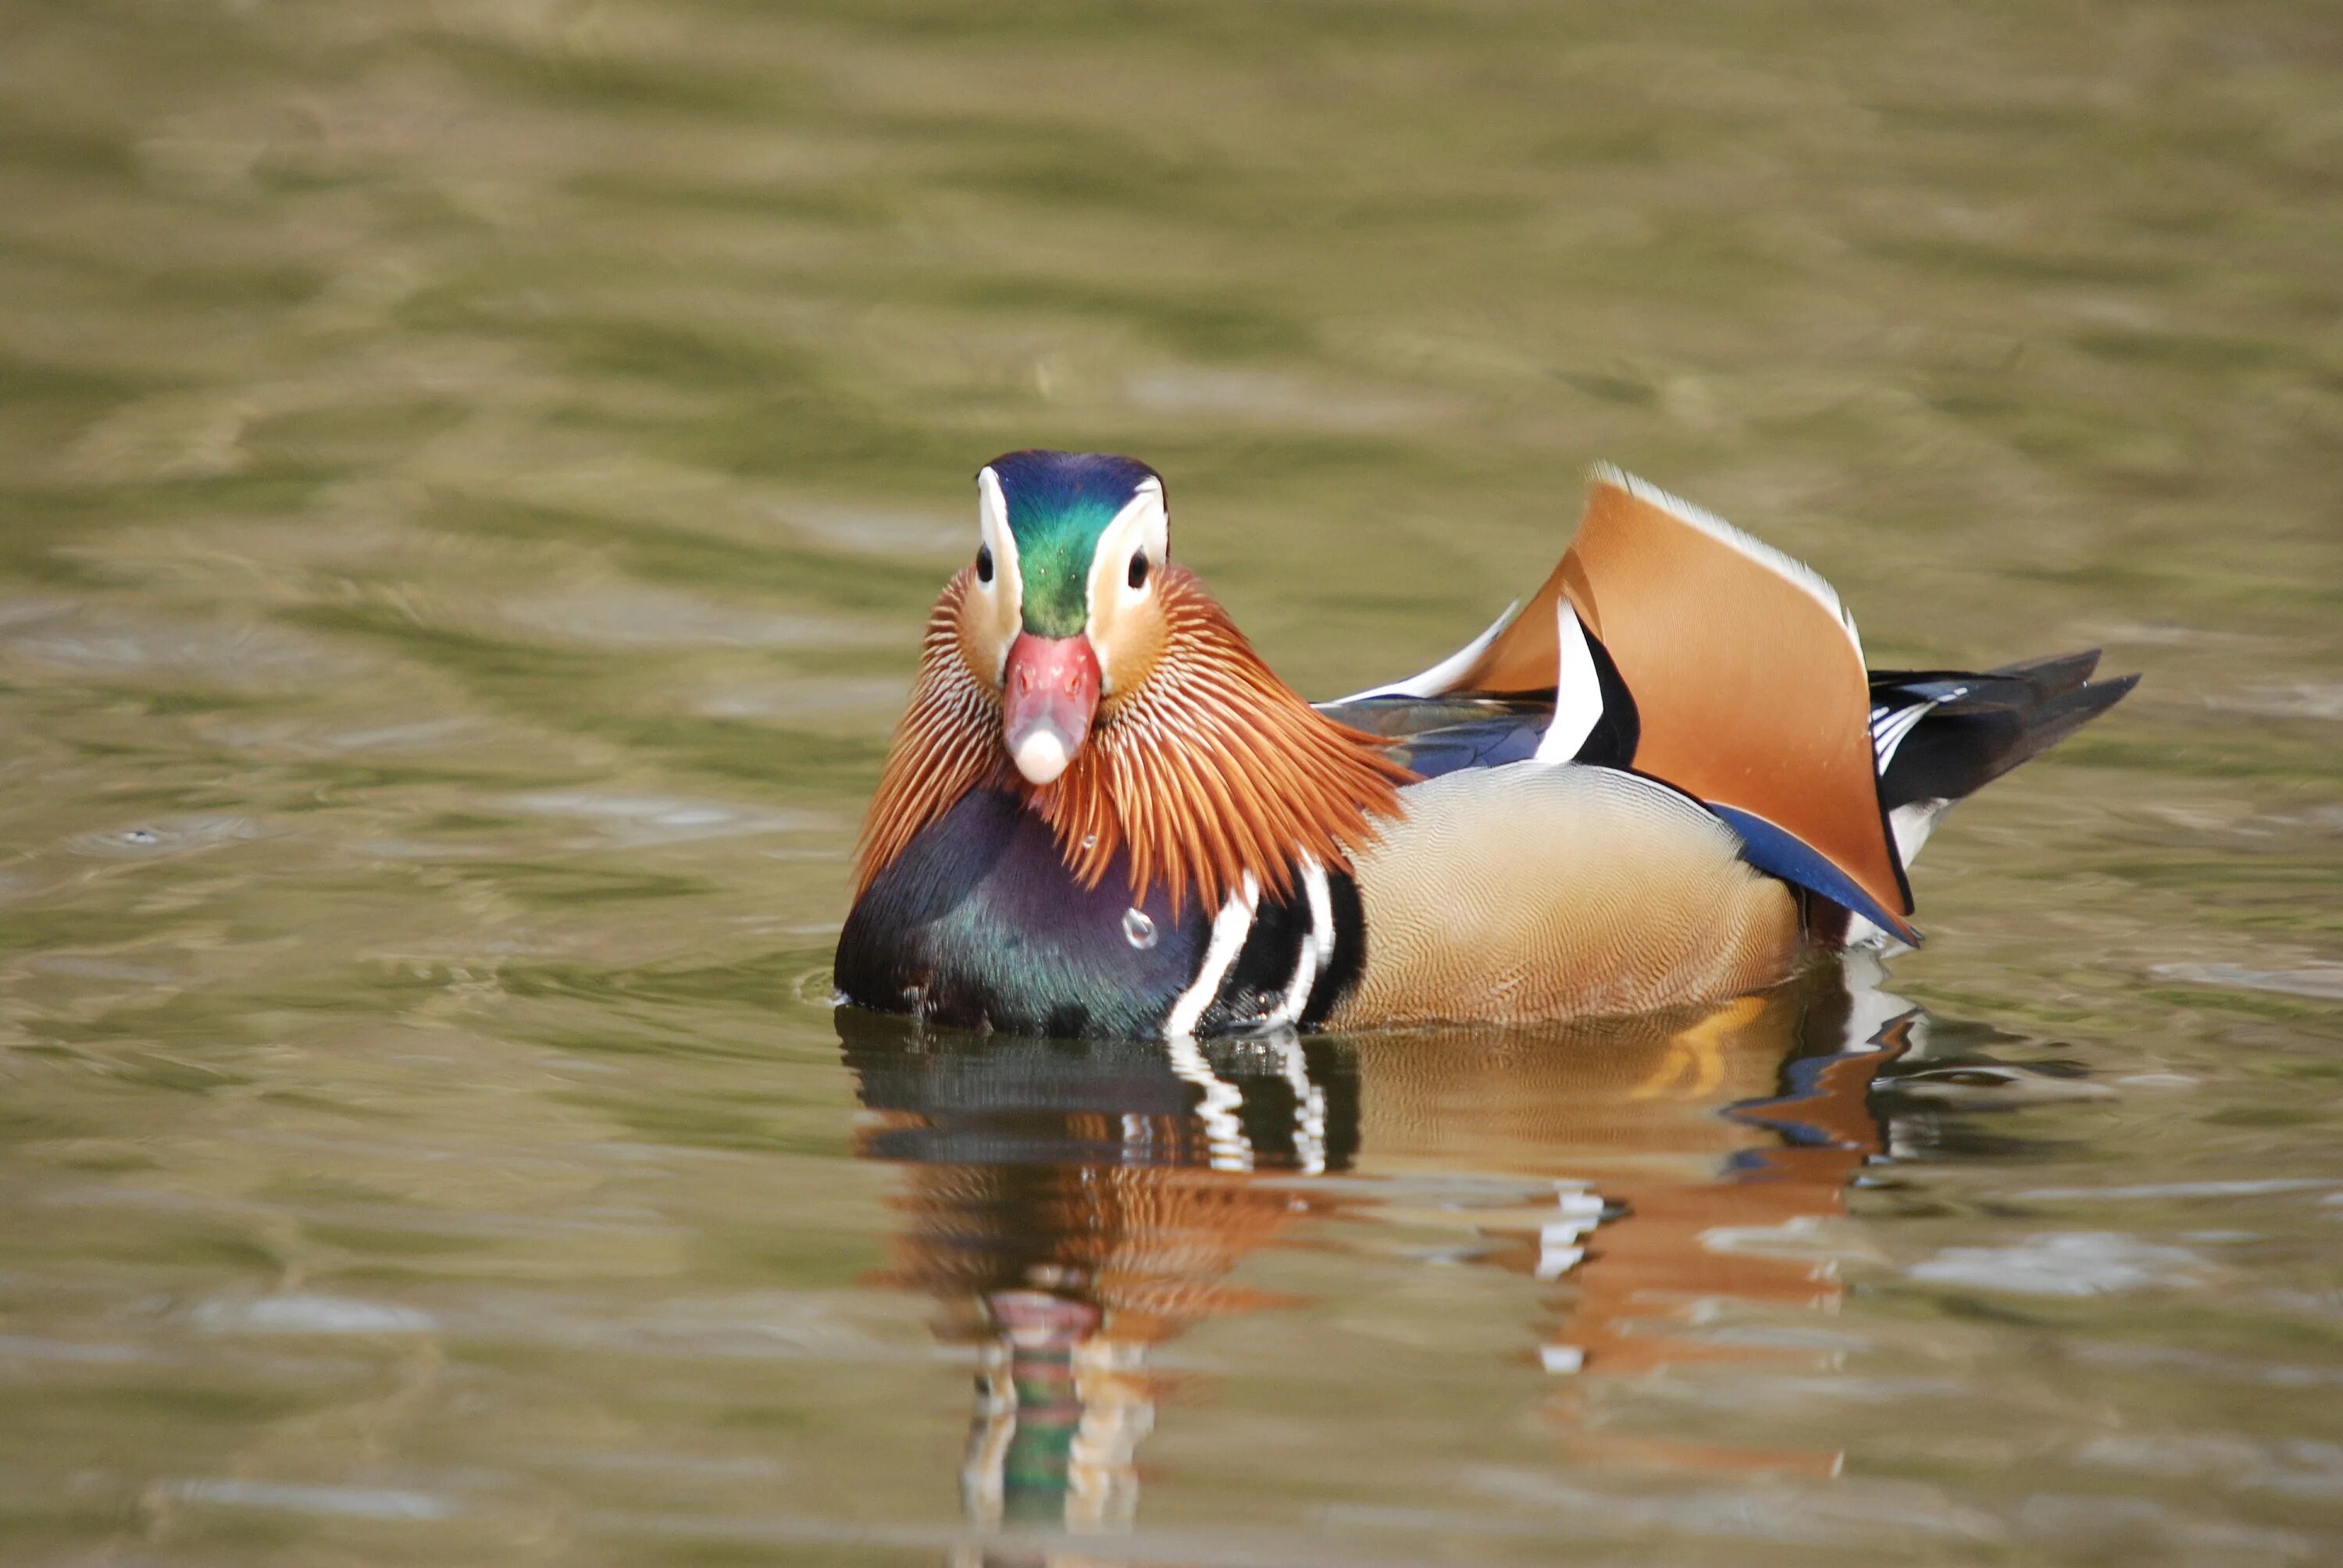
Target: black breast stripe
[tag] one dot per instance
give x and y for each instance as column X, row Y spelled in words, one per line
column 1255, row 985
column 1340, row 973
column 1266, row 986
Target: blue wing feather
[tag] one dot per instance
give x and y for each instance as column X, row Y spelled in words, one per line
column 1780, row 853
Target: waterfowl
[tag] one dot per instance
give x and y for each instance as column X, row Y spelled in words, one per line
column 1665, row 779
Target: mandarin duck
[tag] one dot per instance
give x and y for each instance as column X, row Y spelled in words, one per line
column 1666, row 779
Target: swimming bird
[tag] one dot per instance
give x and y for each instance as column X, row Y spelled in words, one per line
column 1665, row 779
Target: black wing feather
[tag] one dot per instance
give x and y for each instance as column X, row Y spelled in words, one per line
column 1983, row 724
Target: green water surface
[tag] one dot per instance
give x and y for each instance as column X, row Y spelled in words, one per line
column 471, row 476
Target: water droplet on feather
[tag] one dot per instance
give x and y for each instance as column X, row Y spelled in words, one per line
column 1138, row 930
column 1090, row 841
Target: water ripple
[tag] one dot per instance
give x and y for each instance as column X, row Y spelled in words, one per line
column 2062, row 1263
column 340, row 1501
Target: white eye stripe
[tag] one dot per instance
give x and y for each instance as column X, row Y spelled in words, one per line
column 991, row 506
column 1147, row 502
column 992, row 530
column 1004, row 593
column 1141, row 525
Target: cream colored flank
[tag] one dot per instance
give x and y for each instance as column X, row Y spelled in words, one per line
column 1545, row 890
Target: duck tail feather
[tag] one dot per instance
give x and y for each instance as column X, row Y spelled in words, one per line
column 2060, row 672
column 1976, row 727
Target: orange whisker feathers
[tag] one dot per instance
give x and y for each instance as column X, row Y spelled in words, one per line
column 1211, row 769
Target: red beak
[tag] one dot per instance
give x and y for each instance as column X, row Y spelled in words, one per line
column 1051, row 693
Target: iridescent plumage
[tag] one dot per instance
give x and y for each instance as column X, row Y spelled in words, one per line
column 1664, row 781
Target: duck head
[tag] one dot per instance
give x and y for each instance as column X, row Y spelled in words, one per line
column 1071, row 664
column 1059, row 615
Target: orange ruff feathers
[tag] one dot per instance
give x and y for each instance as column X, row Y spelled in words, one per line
column 1211, row 769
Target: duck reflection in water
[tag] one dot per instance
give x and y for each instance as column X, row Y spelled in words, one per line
column 1072, row 1205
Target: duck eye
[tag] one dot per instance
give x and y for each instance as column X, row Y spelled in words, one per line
column 1139, row 569
column 984, row 563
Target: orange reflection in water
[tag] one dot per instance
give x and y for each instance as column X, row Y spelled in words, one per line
column 1070, row 1206
column 1696, row 1162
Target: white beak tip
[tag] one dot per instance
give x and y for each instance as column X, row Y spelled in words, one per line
column 1041, row 756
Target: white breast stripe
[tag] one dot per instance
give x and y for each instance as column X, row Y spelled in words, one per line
column 1317, row 945
column 1230, row 929
column 1577, row 691
column 1322, row 909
